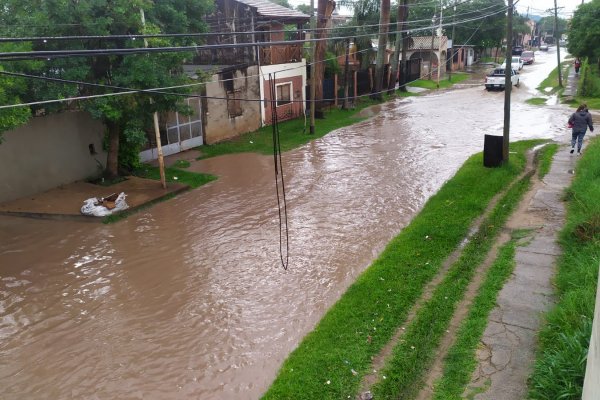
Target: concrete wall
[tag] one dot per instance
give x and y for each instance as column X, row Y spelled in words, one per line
column 48, row 152
column 218, row 124
column 295, row 73
column 591, row 386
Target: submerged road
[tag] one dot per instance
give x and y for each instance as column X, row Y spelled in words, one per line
column 188, row 300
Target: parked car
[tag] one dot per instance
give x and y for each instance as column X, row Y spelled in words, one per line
column 517, row 50
column 528, row 57
column 544, row 47
column 496, row 79
column 515, row 63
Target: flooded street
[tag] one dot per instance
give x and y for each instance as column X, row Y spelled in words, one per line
column 188, row 299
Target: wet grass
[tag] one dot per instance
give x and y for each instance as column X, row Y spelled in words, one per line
column 460, row 362
column 593, row 103
column 564, row 340
column 552, row 80
column 175, row 175
column 413, row 356
column 293, row 133
column 172, row 174
column 544, row 158
column 536, row 101
column 332, row 359
column 444, row 83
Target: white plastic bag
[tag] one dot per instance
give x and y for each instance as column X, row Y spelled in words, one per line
column 95, row 208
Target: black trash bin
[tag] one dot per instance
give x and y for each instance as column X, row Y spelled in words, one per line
column 492, row 151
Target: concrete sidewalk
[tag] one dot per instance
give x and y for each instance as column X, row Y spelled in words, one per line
column 507, row 349
column 65, row 201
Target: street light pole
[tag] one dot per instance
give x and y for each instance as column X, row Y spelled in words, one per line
column 313, row 72
column 439, row 69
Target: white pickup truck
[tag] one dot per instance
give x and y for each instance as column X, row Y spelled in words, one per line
column 496, row 79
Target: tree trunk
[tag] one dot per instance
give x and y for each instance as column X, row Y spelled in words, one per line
column 112, row 160
column 384, row 22
column 402, row 11
column 324, row 10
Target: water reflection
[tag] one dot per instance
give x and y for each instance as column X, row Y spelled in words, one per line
column 187, row 299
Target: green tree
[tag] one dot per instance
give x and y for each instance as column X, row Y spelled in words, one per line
column 304, row 8
column 584, row 31
column 284, row 3
column 126, row 117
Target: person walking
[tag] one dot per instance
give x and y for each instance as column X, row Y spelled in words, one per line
column 577, row 64
column 580, row 120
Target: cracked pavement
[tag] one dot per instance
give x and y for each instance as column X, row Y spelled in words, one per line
column 507, row 349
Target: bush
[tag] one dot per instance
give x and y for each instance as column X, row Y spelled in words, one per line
column 589, row 83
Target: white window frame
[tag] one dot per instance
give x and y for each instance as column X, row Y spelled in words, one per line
column 276, row 91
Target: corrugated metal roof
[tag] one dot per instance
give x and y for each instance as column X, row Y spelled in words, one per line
column 265, row 8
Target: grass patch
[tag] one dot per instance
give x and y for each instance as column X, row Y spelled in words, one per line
column 460, row 361
column 563, row 342
column 536, row 101
column 172, row 174
column 544, row 158
column 332, row 359
column 488, row 60
column 418, row 347
column 552, row 80
column 182, row 164
column 293, row 133
column 593, row 103
column 444, row 83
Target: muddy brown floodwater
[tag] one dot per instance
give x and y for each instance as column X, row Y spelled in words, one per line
column 187, row 300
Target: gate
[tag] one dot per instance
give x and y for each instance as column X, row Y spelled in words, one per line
column 183, row 132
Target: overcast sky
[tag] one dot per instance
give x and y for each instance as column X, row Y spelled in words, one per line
column 536, row 7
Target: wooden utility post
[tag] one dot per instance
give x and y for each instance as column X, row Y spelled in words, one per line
column 439, row 69
column 507, row 82
column 161, row 160
column 557, row 40
column 346, row 79
column 431, row 52
column 313, row 72
column 452, row 54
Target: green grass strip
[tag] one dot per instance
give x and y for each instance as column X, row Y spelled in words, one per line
column 444, row 83
column 544, row 157
column 460, row 361
column 536, row 101
column 411, row 358
column 563, row 342
column 552, row 80
column 293, row 133
column 172, row 174
column 332, row 359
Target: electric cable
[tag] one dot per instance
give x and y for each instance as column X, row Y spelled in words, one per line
column 277, row 161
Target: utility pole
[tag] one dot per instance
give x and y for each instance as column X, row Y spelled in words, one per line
column 557, row 40
column 507, row 83
column 439, row 69
column 161, row 160
column 346, row 69
column 431, row 53
column 313, row 72
column 452, row 54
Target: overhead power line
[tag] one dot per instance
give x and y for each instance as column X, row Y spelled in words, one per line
column 15, row 56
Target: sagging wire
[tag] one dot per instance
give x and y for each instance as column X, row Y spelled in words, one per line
column 283, row 219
